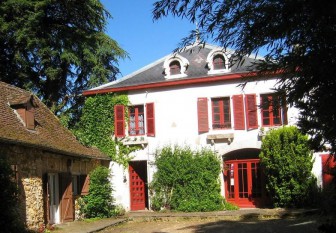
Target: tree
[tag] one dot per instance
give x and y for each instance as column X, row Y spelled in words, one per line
column 299, row 38
column 288, row 163
column 56, row 48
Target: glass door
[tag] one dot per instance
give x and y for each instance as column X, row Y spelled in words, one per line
column 244, row 183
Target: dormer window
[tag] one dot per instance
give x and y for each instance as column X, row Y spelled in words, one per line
column 175, row 66
column 25, row 110
column 218, row 62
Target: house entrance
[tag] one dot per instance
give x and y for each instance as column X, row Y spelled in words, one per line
column 244, row 179
column 138, row 185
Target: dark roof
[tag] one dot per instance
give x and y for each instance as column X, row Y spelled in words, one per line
column 196, row 55
column 49, row 133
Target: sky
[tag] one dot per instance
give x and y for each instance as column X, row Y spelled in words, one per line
column 145, row 40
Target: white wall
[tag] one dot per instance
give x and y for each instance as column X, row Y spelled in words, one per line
column 176, row 123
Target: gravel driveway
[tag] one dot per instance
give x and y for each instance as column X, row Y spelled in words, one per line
column 192, row 225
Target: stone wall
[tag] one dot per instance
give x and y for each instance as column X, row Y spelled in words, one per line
column 32, row 164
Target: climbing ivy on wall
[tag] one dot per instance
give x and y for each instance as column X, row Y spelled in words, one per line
column 96, row 126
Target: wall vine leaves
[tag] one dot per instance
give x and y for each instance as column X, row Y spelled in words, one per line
column 96, row 126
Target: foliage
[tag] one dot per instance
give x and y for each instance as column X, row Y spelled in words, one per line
column 186, row 180
column 9, row 217
column 96, row 126
column 99, row 201
column 288, row 164
column 56, row 48
column 298, row 39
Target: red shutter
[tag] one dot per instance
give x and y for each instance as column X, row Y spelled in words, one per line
column 238, row 112
column 119, row 120
column 150, row 119
column 202, row 112
column 251, row 112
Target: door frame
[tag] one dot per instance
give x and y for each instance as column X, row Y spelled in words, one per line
column 231, row 176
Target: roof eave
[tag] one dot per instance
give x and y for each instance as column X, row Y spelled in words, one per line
column 205, row 79
column 50, row 149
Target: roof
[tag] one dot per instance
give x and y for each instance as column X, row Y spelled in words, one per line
column 153, row 75
column 49, row 134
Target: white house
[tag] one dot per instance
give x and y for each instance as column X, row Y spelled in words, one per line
column 194, row 98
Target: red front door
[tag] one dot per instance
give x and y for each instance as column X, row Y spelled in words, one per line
column 138, row 186
column 244, row 183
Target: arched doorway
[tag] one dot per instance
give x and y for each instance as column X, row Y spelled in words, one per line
column 244, row 179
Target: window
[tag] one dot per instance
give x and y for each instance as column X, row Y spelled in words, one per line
column 272, row 110
column 218, row 62
column 26, row 111
column 244, row 109
column 80, row 185
column 221, row 114
column 136, row 120
column 175, row 67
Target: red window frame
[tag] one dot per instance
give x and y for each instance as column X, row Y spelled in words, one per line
column 221, row 113
column 218, row 62
column 138, row 114
column 175, row 67
column 272, row 111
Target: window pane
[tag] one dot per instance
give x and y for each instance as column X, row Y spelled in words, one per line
column 175, row 67
column 227, row 114
column 221, row 116
column 136, row 120
column 218, row 62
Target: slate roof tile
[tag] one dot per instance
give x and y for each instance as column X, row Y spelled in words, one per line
column 154, row 72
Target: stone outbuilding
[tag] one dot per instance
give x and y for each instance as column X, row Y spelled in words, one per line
column 51, row 167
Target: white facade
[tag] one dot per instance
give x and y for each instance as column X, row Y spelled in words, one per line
column 176, row 124
column 179, row 100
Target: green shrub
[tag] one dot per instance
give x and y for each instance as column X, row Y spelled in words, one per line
column 288, row 163
column 9, row 217
column 99, row 201
column 186, row 180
